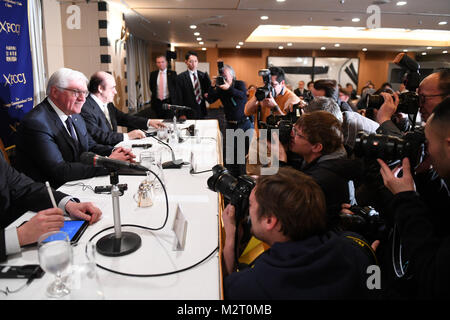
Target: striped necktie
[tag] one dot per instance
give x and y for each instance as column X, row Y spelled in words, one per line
column 70, row 127
column 198, row 97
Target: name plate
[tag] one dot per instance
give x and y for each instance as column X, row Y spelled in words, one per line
column 180, row 229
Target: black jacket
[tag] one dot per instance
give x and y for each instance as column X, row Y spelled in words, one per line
column 186, row 96
column 233, row 100
column 321, row 267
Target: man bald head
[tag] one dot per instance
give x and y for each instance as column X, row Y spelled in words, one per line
column 103, row 86
column 432, row 90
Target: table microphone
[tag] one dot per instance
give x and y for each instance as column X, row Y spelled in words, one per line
column 94, row 159
column 175, row 163
column 167, row 106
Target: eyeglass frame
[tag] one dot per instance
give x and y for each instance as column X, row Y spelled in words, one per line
column 75, row 92
column 423, row 97
column 298, row 134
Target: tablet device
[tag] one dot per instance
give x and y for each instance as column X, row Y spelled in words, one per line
column 74, row 228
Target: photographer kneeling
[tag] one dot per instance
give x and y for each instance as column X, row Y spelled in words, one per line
column 305, row 261
column 233, row 95
column 422, row 218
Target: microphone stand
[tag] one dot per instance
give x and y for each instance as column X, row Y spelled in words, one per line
column 175, row 163
column 118, row 243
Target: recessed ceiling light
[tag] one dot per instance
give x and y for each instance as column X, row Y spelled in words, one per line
column 405, row 50
column 281, row 0
column 264, row 17
column 322, row 48
column 201, row 42
column 196, row 33
column 204, row 49
column 337, row 45
column 199, row 39
column 401, row 3
column 193, row 26
column 280, row 47
column 241, row 43
column 445, row 51
column 289, row 44
column 356, row 19
column 364, row 49
column 429, row 48
column 424, row 53
column 442, row 23
column 238, row 47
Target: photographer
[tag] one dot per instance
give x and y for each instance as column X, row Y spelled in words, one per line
column 233, row 95
column 422, row 217
column 305, row 261
column 329, row 88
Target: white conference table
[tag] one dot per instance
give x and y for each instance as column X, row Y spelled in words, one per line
column 199, row 205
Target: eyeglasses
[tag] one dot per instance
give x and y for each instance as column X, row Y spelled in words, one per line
column 298, row 134
column 423, row 97
column 76, row 93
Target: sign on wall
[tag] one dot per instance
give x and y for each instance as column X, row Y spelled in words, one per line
column 16, row 79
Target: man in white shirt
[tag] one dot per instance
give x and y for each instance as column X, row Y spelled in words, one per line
column 102, row 117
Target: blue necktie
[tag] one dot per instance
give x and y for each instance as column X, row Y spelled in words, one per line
column 69, row 123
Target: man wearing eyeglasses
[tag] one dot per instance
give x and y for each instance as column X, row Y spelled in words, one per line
column 432, row 90
column 52, row 136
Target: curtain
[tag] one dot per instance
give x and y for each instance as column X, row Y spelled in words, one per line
column 137, row 73
column 37, row 55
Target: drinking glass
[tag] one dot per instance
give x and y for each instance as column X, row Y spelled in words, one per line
column 55, row 256
column 163, row 133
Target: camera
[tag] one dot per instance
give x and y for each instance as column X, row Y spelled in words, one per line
column 388, row 148
column 366, row 221
column 236, row 190
column 264, row 92
column 220, row 79
column 283, row 124
column 408, row 102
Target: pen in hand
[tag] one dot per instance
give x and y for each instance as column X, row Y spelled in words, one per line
column 50, row 193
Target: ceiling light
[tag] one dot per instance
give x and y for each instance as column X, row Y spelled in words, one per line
column 280, row 47
column 424, row 53
column 196, row 33
column 193, row 26
column 405, row 50
column 401, row 3
column 445, row 51
column 289, row 44
column 201, row 42
column 204, row 49
column 199, row 39
column 337, row 45
column 238, row 47
column 429, row 48
column 442, row 23
column 264, row 17
column 241, row 43
column 356, row 19
column 281, row 0
column 364, row 49
column 322, row 48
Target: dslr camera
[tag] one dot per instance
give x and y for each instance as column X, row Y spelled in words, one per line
column 283, row 124
column 366, row 221
column 264, row 92
column 220, row 79
column 408, row 101
column 236, row 190
column 390, row 148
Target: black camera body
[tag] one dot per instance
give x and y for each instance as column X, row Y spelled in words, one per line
column 220, row 79
column 236, row 190
column 408, row 102
column 281, row 123
column 388, row 148
column 366, row 221
column 264, row 92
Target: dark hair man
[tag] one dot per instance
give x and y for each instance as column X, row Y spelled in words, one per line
column 52, row 136
column 193, row 86
column 163, row 85
column 422, row 216
column 102, row 117
column 233, row 95
column 329, row 88
column 287, row 211
column 301, row 92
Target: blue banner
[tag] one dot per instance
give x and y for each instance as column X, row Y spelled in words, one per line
column 16, row 72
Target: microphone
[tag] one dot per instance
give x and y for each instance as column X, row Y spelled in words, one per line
column 175, row 163
column 112, row 164
column 167, row 106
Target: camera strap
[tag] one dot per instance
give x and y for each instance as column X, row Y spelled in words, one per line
column 400, row 266
column 364, row 246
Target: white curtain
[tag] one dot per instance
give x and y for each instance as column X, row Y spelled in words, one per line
column 137, row 73
column 37, row 55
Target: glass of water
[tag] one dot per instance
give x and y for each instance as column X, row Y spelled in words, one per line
column 55, row 256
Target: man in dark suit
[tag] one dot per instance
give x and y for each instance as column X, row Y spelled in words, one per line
column 52, row 136
column 102, row 117
column 193, row 86
column 163, row 84
column 301, row 92
column 18, row 194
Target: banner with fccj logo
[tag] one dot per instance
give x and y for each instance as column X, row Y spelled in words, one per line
column 16, row 72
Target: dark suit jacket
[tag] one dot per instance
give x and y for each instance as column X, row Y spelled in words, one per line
column 46, row 151
column 171, row 85
column 18, row 194
column 186, row 94
column 304, row 94
column 101, row 130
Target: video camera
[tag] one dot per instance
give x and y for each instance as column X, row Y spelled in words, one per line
column 264, row 92
column 220, row 79
column 408, row 101
column 388, row 148
column 281, row 123
column 236, row 190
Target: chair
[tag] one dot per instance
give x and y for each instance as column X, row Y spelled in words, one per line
column 5, row 154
